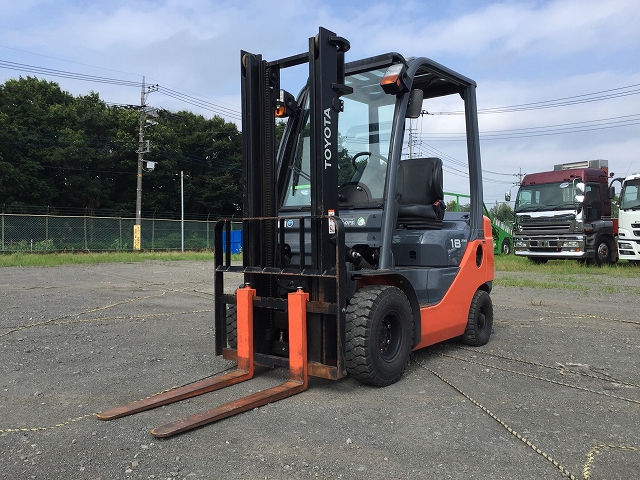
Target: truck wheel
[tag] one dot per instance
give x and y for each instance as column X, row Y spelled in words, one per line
column 506, row 247
column 232, row 326
column 379, row 335
column 480, row 320
column 603, row 251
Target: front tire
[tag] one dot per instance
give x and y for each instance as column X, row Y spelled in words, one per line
column 506, row 247
column 480, row 321
column 379, row 335
column 603, row 253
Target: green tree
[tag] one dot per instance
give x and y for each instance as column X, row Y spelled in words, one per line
column 453, row 206
column 503, row 212
column 208, row 151
column 61, row 151
column 27, row 136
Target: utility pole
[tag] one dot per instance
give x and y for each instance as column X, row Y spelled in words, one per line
column 182, row 208
column 411, row 141
column 507, row 196
column 143, row 147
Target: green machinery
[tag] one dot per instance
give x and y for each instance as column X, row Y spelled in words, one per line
column 502, row 233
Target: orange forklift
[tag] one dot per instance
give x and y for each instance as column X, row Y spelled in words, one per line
column 349, row 259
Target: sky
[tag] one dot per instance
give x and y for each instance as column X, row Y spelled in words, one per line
column 558, row 80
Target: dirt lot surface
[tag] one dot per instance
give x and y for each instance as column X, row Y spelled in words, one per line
column 556, row 392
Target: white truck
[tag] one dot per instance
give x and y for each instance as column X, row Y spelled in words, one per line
column 629, row 219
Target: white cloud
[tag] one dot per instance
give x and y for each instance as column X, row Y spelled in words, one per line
column 502, row 32
column 517, row 51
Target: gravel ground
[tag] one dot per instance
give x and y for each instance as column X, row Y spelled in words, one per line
column 561, row 372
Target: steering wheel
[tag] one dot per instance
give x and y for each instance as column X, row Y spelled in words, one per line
column 368, row 154
column 358, row 155
column 354, row 192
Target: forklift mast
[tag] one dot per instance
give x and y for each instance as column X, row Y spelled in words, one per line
column 263, row 242
column 260, row 97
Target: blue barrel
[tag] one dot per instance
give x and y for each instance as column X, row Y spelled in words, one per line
column 236, row 241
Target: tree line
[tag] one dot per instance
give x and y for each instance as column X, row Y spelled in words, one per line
column 501, row 211
column 70, row 153
column 78, row 154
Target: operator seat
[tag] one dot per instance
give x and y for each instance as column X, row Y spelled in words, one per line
column 419, row 194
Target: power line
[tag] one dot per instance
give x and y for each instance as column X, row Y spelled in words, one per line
column 222, row 111
column 558, row 102
column 544, row 131
column 204, row 104
column 65, row 74
column 425, row 149
column 620, row 118
column 68, row 61
column 573, row 100
column 556, row 129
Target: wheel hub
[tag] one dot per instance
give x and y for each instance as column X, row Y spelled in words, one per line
column 389, row 337
column 481, row 321
column 603, row 252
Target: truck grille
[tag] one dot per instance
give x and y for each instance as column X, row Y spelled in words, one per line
column 545, row 227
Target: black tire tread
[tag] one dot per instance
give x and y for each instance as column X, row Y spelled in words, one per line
column 597, row 261
column 357, row 339
column 232, row 326
column 471, row 336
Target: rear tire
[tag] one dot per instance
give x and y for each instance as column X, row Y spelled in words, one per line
column 379, row 335
column 480, row 320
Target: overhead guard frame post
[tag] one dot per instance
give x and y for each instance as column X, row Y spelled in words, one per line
column 467, row 90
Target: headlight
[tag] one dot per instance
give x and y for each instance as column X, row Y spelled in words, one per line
column 521, row 243
column 571, row 244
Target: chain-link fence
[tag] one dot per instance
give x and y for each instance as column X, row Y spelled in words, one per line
column 42, row 233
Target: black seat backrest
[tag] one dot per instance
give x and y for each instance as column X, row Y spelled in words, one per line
column 419, row 193
column 419, row 181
